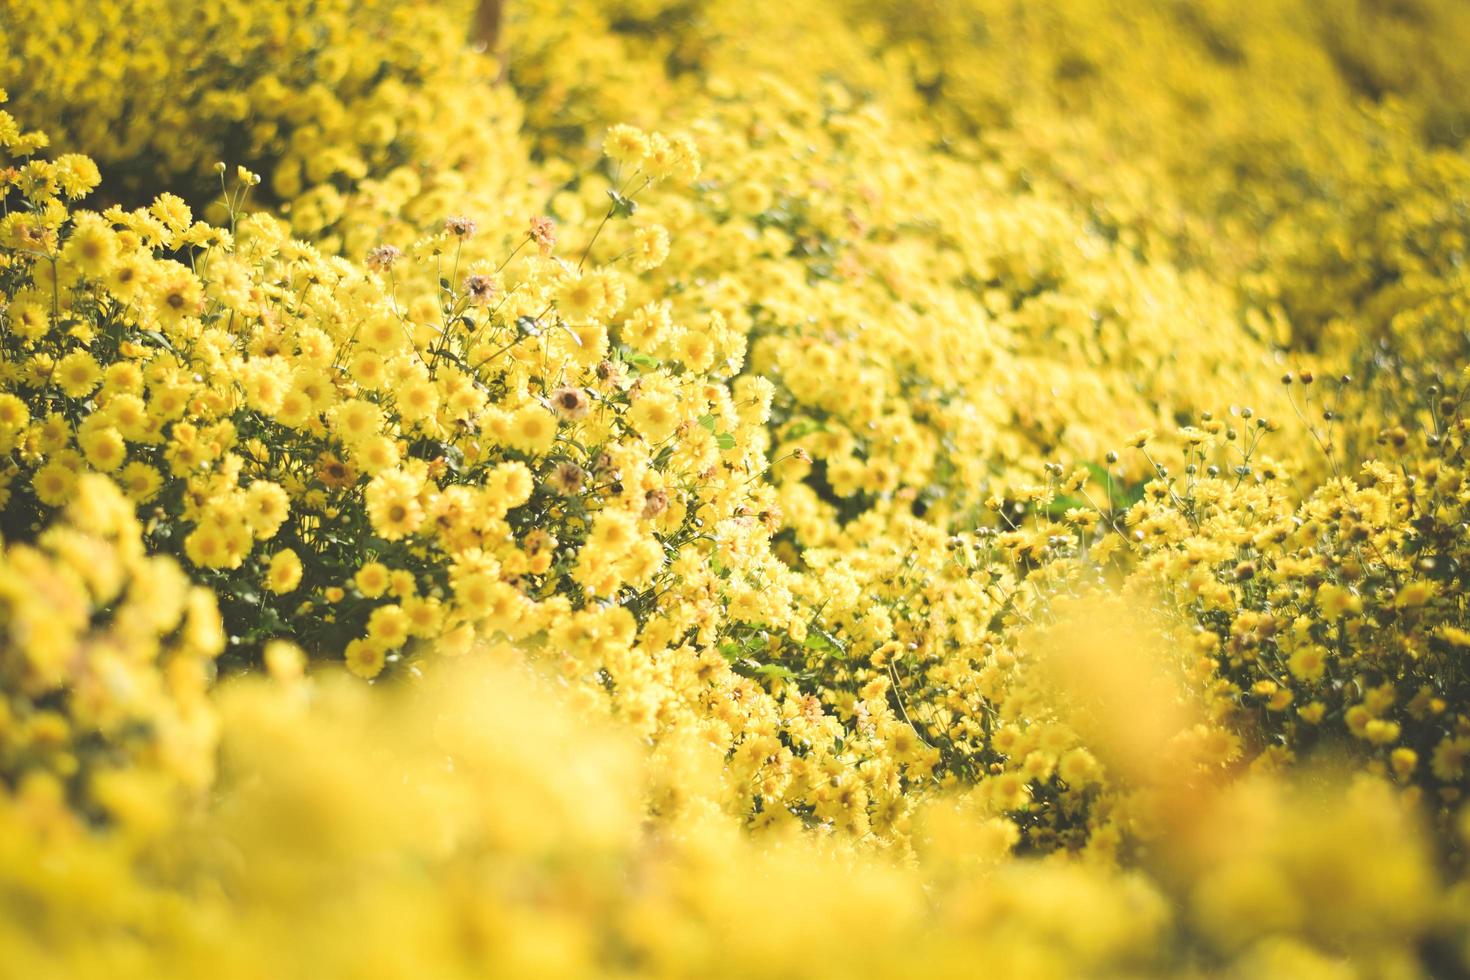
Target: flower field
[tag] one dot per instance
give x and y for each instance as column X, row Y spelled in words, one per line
column 677, row 488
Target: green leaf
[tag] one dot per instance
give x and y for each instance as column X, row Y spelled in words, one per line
column 158, row 338
column 708, row 421
column 725, row 441
column 1060, row 505
column 623, row 207
column 819, row 639
column 805, row 427
column 1124, row 496
column 640, row 359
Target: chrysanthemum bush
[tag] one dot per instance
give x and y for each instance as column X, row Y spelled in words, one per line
column 353, row 113
column 331, row 462
column 963, row 505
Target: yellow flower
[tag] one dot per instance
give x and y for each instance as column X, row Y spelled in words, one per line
column 1079, row 768
column 1448, row 760
column 176, row 294
column 532, row 429
column 77, row 174
column 371, row 579
column 418, row 400
column 388, row 627
column 28, row 319
column 750, row 197
column 171, row 210
column 368, row 369
column 1381, row 732
column 1313, row 712
column 91, row 248
column 1415, row 594
column 356, row 419
column 140, row 481
column 266, row 508
column 581, row 298
column 425, row 616
column 695, row 349
column 334, row 473
column 647, row 327
column 626, row 145
column 126, row 277
column 103, row 446
column 77, row 374
column 674, row 159
column 613, row 533
column 1308, row 663
column 365, row 659
column 53, row 483
column 393, row 505
column 284, row 572
column 284, row 660
column 654, row 417
column 375, row 454
column 1335, row 601
column 650, row 247
column 207, row 547
column 1454, row 636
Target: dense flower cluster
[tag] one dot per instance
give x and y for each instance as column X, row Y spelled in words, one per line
column 353, row 113
column 386, row 833
column 736, row 490
column 108, row 659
